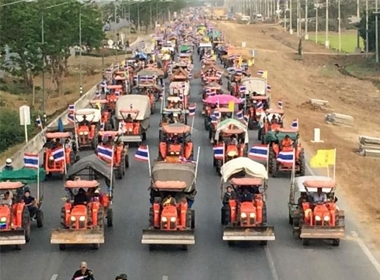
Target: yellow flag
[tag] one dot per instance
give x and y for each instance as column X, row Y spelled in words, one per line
column 231, row 106
column 250, row 62
column 265, row 75
column 323, row 159
column 98, row 105
column 240, row 60
column 214, row 57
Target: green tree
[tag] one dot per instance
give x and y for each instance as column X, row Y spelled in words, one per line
column 371, row 30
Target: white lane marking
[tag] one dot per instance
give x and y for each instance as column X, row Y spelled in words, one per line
column 271, row 263
column 54, row 277
column 165, row 278
column 366, row 251
column 358, row 240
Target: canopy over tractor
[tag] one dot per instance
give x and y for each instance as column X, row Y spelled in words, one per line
column 244, row 214
column 255, row 84
column 172, row 194
column 233, row 127
column 313, row 212
column 92, row 114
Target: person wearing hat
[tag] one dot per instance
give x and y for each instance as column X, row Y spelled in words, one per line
column 83, row 273
column 8, row 165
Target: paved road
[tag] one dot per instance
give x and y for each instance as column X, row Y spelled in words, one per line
column 208, row 259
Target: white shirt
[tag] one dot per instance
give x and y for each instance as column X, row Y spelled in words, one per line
column 6, row 201
column 319, row 197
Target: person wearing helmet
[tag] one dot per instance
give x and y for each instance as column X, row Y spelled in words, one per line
column 8, row 165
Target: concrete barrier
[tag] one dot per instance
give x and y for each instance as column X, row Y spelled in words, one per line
column 369, row 146
column 36, row 143
column 339, row 119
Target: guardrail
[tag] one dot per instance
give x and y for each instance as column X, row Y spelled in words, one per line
column 36, row 143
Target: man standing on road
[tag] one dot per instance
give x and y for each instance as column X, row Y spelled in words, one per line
column 83, row 273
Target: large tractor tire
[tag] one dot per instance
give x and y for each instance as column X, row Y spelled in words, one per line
column 63, row 214
column 109, row 217
column 151, row 217
column 40, row 218
column 126, row 161
column 272, row 163
column 26, row 223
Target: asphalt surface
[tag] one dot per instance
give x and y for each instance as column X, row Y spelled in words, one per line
column 210, row 258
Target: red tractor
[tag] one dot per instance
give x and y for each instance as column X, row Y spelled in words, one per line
column 15, row 218
column 82, row 215
column 244, row 212
column 175, row 144
column 172, row 193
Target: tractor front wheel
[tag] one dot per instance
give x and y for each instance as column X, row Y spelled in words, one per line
column 109, row 218
column 26, row 223
column 40, row 218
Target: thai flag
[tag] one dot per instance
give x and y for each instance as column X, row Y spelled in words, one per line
column 246, row 119
column 59, row 154
column 279, row 104
column 260, row 72
column 39, row 122
column 217, row 114
column 240, row 115
column 135, row 78
column 103, row 84
column 71, row 117
column 71, row 108
column 102, row 126
column 192, row 109
column 269, row 88
column 259, row 105
column 109, row 71
column 213, row 93
column 117, row 93
column 31, row 160
column 207, row 91
column 243, row 89
column 190, row 76
column 142, row 153
column 219, row 74
column 259, row 152
column 105, row 153
column 218, row 152
column 214, row 119
column 285, row 157
column 295, row 124
column 238, row 72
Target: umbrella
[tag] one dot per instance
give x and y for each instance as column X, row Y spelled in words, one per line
column 222, row 99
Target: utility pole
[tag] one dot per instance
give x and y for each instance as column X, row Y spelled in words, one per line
column 377, row 30
column 358, row 8
column 327, row 43
column 285, row 17
column 339, row 28
column 299, row 31
column 306, row 19
column 43, row 60
column 291, row 18
column 316, row 21
column 366, row 28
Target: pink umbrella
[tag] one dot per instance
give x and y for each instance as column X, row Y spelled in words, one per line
column 222, row 99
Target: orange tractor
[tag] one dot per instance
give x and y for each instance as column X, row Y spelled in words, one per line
column 14, row 215
column 172, row 193
column 83, row 214
column 244, row 214
column 52, row 147
column 152, row 91
column 285, row 152
column 312, row 219
column 175, row 144
column 87, row 129
column 107, row 122
column 231, row 141
column 120, row 153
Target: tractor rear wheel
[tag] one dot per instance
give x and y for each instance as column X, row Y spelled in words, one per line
column 40, row 218
column 151, row 218
column 109, row 217
column 336, row 242
column 95, row 246
column 290, row 220
column 126, row 159
column 62, row 246
column 302, row 164
column 272, row 163
column 184, row 247
column 264, row 214
column 188, row 218
column 260, row 134
column 144, row 136
column 26, row 223
column 118, row 174
column 192, row 219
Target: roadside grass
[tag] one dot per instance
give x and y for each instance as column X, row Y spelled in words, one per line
column 348, row 40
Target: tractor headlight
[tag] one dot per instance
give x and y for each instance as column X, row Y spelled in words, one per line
column 86, row 133
column 164, row 219
column 327, row 218
column 252, row 215
column 173, row 219
column 80, row 133
column 3, row 219
column 177, row 153
column 51, row 158
column 243, row 215
column 82, row 218
column 171, row 153
column 73, row 219
column 318, row 218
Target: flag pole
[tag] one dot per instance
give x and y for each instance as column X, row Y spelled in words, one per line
column 268, row 160
column 224, row 153
column 64, row 160
column 149, row 164
column 111, row 179
column 197, row 163
column 334, row 164
column 38, row 179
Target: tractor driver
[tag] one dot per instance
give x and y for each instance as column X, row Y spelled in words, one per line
column 233, row 140
column 129, row 118
column 171, row 119
column 80, row 198
column 319, row 196
column 6, row 200
column 85, row 122
column 246, row 196
column 169, row 200
column 230, row 194
column 287, row 142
